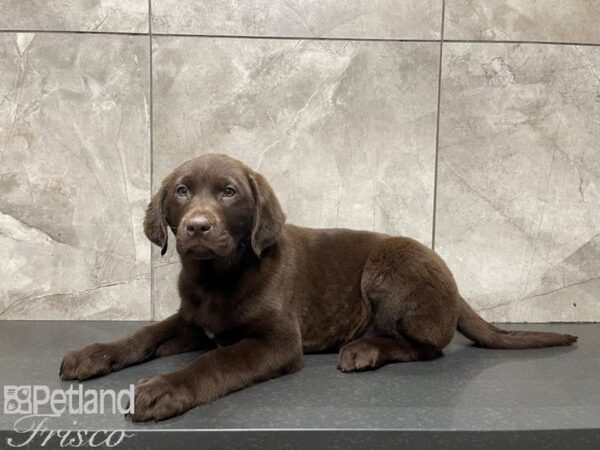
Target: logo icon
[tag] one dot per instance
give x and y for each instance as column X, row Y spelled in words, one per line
column 17, row 400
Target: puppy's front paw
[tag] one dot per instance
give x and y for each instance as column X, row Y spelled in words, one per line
column 91, row 361
column 161, row 397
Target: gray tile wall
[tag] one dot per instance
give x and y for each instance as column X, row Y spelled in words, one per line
column 472, row 126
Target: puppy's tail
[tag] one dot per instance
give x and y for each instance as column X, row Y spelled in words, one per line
column 486, row 335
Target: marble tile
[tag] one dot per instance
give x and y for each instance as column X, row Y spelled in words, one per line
column 74, row 176
column 75, row 15
column 523, row 20
column 388, row 19
column 344, row 131
column 518, row 216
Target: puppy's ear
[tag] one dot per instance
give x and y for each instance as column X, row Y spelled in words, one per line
column 155, row 222
column 268, row 215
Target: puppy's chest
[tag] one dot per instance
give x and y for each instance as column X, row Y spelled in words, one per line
column 215, row 314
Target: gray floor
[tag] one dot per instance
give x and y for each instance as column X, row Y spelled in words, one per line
column 551, row 394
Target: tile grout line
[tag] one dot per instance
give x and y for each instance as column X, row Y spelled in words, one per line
column 309, row 38
column 108, row 33
column 407, row 40
column 524, row 42
column 437, row 129
column 294, row 38
column 151, row 118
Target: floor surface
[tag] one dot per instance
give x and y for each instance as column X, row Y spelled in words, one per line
column 547, row 397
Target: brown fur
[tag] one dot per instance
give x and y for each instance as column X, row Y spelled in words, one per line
column 263, row 292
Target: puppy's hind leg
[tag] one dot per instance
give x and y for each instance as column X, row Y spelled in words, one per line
column 370, row 353
column 414, row 306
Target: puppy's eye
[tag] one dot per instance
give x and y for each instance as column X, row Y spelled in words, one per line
column 229, row 191
column 182, row 191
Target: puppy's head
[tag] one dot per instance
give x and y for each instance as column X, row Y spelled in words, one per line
column 213, row 204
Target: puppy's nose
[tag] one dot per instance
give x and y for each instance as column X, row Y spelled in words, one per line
column 198, row 225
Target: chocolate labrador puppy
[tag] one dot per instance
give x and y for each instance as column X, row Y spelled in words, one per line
column 257, row 293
